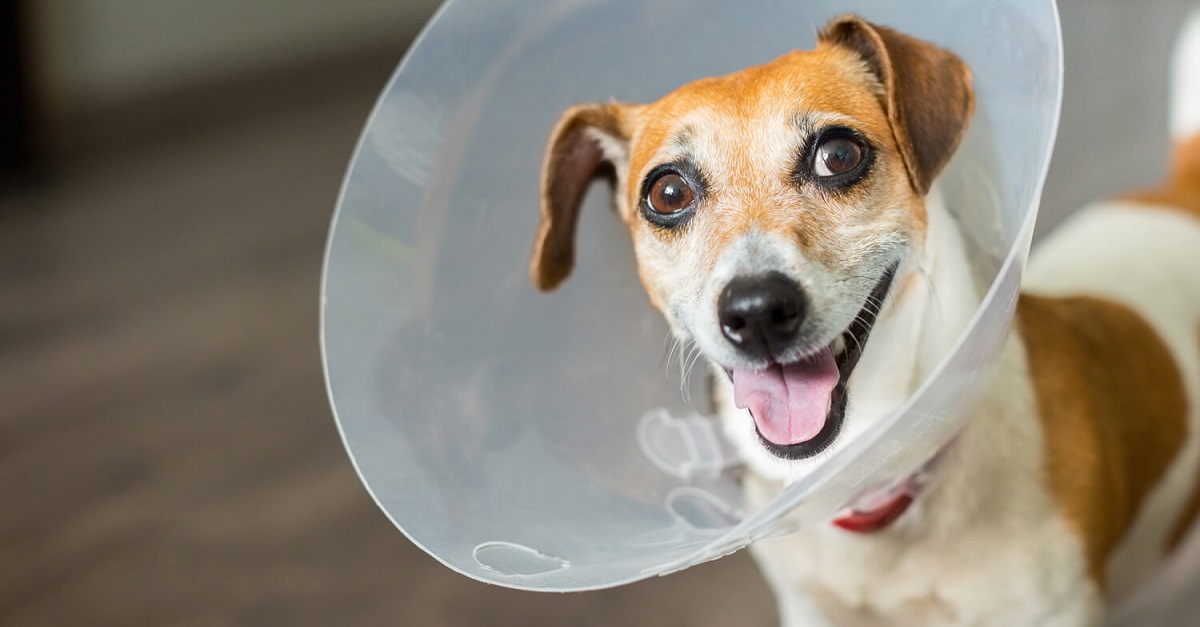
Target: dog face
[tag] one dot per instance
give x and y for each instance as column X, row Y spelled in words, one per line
column 776, row 213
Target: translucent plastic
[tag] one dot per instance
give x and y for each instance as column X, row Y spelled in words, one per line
column 546, row 442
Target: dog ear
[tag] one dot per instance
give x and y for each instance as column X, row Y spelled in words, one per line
column 927, row 92
column 589, row 141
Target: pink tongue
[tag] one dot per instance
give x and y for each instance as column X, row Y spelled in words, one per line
column 789, row 403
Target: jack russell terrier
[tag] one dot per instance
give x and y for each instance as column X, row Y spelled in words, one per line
column 785, row 221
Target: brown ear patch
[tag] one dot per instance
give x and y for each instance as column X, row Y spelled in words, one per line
column 1113, row 410
column 927, row 95
column 574, row 157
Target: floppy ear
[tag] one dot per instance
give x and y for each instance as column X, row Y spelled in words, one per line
column 588, row 141
column 927, row 92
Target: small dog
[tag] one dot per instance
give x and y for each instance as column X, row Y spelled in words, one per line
column 785, row 220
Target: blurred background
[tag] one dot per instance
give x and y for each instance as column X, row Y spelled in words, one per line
column 167, row 173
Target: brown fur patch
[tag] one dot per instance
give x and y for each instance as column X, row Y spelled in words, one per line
column 746, row 193
column 1113, row 411
column 1181, row 190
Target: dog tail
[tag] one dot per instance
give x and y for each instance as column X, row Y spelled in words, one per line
column 1185, row 81
column 1181, row 190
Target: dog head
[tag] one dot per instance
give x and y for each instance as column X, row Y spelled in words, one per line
column 778, row 214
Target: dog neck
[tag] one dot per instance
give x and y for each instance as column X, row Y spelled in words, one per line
column 928, row 314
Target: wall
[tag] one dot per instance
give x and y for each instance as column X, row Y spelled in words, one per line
column 106, row 52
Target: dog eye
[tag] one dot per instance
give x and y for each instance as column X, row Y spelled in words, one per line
column 670, row 194
column 837, row 155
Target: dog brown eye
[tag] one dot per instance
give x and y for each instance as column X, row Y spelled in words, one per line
column 837, row 156
column 670, row 194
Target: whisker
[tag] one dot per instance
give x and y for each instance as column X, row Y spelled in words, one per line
column 685, row 348
column 687, row 374
column 854, row 337
column 685, row 353
column 670, row 353
column 871, row 301
column 696, row 355
column 933, row 292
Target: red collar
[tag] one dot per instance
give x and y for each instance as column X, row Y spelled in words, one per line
column 878, row 518
column 878, row 510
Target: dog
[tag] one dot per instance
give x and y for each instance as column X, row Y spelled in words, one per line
column 786, row 220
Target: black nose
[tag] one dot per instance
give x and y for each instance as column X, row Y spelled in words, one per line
column 760, row 315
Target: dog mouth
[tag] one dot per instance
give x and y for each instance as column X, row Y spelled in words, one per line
column 799, row 407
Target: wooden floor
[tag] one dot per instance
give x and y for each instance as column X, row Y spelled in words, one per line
column 167, row 455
